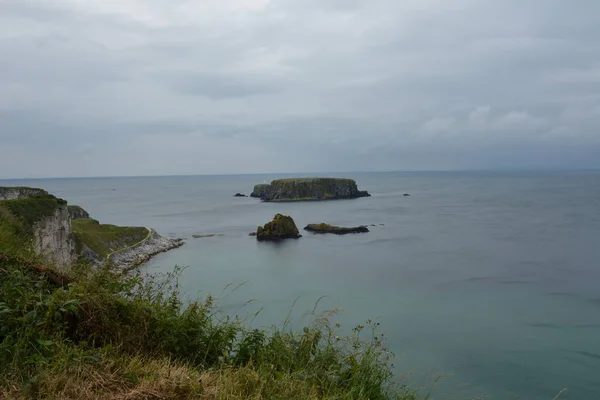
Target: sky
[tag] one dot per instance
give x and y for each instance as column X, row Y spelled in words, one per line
column 168, row 87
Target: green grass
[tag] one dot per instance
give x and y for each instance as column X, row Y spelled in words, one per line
column 13, row 235
column 31, row 210
column 115, row 336
column 313, row 180
column 105, row 239
column 17, row 219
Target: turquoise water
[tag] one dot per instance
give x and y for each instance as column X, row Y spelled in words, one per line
column 490, row 278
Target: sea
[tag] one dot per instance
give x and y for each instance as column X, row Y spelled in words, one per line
column 486, row 283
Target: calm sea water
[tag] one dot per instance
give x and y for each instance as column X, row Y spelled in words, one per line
column 490, row 278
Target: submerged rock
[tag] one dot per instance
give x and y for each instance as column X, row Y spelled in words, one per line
column 338, row 230
column 239, row 195
column 207, row 235
column 281, row 227
column 252, row 234
column 306, row 189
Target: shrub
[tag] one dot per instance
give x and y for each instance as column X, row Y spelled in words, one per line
column 120, row 328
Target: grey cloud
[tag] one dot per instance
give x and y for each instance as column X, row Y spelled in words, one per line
column 218, row 86
column 383, row 84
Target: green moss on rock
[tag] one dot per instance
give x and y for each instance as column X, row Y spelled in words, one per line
column 281, row 227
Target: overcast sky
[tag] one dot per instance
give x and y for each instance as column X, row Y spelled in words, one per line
column 156, row 87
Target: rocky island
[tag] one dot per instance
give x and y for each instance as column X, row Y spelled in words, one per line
column 308, row 189
column 281, row 227
column 260, row 190
column 338, row 230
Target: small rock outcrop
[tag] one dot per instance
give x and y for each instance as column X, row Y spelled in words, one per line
column 326, row 228
column 406, row 194
column 260, row 190
column 239, row 195
column 307, row 189
column 281, row 227
column 77, row 212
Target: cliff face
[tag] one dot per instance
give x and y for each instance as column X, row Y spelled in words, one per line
column 260, row 190
column 17, row 193
column 32, row 221
column 301, row 189
column 77, row 212
column 41, row 224
column 53, row 239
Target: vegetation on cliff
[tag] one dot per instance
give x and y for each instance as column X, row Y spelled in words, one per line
column 281, row 227
column 33, row 209
column 115, row 336
column 77, row 212
column 18, row 217
column 105, row 239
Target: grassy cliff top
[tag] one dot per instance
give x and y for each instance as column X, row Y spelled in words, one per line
column 313, row 180
column 33, row 209
column 21, row 188
column 106, row 239
column 17, row 218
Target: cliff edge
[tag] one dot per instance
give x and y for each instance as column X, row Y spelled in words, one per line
column 34, row 221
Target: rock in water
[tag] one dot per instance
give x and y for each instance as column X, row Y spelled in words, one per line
column 260, row 190
column 239, row 195
column 281, row 227
column 326, row 228
column 406, row 194
column 305, row 189
column 207, row 235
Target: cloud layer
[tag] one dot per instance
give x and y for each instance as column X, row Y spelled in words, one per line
column 146, row 87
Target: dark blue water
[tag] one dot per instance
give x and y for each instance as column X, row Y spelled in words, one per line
column 490, row 278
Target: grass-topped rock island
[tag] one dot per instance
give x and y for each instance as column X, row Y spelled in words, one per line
column 308, row 189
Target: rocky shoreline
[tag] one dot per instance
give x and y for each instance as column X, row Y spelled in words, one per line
column 142, row 252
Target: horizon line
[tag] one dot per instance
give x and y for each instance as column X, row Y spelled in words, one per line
column 312, row 173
